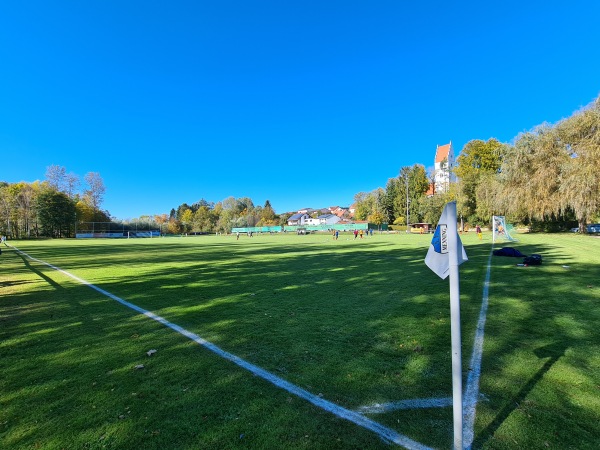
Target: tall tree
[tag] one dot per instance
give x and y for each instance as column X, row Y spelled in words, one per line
column 7, row 210
column 531, row 174
column 580, row 181
column 56, row 176
column 477, row 160
column 186, row 220
column 25, row 195
column 94, row 194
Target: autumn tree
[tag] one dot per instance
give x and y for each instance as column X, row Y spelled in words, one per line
column 59, row 180
column 579, row 190
column 531, row 175
column 94, row 194
column 267, row 216
column 186, row 220
column 478, row 163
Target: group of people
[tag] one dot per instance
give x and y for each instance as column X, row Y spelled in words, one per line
column 357, row 234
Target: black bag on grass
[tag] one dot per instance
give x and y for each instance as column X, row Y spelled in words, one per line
column 533, row 260
column 508, row 251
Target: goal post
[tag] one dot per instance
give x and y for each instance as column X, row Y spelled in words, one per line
column 91, row 230
column 500, row 229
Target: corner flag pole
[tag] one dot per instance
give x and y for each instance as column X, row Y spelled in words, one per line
column 455, row 327
column 445, row 254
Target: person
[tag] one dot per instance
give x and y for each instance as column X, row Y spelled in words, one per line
column 355, row 234
column 337, row 233
column 361, row 234
column 237, row 236
column 478, row 231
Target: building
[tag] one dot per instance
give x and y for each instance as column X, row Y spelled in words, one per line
column 443, row 169
column 298, row 219
column 328, row 219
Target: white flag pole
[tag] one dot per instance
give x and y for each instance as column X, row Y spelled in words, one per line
column 455, row 326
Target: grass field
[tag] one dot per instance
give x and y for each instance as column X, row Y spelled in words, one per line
column 354, row 322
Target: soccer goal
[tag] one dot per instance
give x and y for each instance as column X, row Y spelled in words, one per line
column 500, row 230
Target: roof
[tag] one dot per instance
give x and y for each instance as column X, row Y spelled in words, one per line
column 442, row 152
column 296, row 216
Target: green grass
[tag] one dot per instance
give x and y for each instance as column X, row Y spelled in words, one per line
column 356, row 322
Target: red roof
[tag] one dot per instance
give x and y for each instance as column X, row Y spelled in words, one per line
column 442, row 152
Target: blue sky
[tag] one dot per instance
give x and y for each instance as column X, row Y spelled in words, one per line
column 301, row 103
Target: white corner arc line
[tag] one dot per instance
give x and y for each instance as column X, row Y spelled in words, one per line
column 383, row 432
column 472, row 391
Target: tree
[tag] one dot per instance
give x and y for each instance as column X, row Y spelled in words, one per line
column 377, row 218
column 186, row 220
column 205, row 219
column 25, row 195
column 580, row 181
column 59, row 180
column 56, row 213
column 161, row 219
column 392, row 193
column 476, row 162
column 94, row 194
column 363, row 205
column 531, row 175
column 56, row 177
column 267, row 215
column 7, row 210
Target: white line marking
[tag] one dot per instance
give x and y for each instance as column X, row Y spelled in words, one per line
column 417, row 403
column 387, row 434
column 472, row 391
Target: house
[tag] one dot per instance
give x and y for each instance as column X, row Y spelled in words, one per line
column 298, row 219
column 328, row 219
column 338, row 211
column 312, row 221
column 443, row 169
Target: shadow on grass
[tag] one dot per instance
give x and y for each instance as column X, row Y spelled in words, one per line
column 553, row 352
column 539, row 339
column 38, row 272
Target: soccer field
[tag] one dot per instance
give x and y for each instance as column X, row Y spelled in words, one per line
column 355, row 327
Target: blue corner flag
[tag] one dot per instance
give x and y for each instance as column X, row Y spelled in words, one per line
column 438, row 256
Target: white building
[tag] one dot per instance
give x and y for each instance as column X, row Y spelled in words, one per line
column 328, row 219
column 444, row 166
column 298, row 219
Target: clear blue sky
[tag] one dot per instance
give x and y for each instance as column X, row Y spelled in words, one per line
column 303, row 103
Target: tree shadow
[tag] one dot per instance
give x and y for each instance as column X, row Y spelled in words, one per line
column 553, row 352
column 38, row 272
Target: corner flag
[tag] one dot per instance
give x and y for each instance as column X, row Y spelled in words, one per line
column 445, row 254
column 438, row 256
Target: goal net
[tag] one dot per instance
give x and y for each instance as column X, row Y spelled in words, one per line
column 115, row 230
column 500, row 229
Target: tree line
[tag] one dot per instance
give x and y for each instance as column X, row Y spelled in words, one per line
column 53, row 207
column 548, row 178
